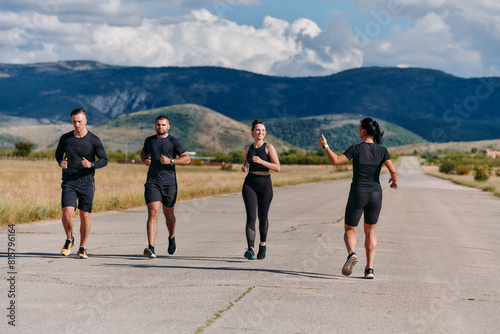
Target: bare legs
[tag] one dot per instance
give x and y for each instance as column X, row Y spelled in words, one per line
column 67, row 221
column 370, row 242
column 350, row 238
column 170, row 219
column 151, row 226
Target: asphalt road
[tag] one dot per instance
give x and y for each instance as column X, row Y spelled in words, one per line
column 437, row 268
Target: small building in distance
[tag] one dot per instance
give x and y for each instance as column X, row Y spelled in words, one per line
column 492, row 153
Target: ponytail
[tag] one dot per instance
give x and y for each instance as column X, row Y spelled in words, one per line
column 372, row 129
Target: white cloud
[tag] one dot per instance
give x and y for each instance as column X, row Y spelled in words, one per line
column 431, row 24
column 461, row 37
column 198, row 38
column 457, row 36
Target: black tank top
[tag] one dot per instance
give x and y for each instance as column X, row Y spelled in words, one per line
column 260, row 152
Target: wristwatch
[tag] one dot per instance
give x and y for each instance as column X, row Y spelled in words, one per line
column 172, row 161
column 92, row 164
column 324, row 147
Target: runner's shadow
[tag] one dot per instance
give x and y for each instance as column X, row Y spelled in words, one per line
column 141, row 257
column 272, row 271
column 72, row 255
column 37, row 254
column 207, row 258
column 177, row 258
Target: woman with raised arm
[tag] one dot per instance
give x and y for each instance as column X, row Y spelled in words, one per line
column 365, row 195
column 260, row 158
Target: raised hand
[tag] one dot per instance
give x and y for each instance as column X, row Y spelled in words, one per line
column 322, row 141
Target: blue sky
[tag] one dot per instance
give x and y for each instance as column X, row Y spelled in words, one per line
column 285, row 38
column 319, row 11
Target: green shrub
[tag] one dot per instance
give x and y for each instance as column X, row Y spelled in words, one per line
column 482, row 173
column 446, row 167
column 23, row 149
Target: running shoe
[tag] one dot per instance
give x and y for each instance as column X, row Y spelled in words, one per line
column 149, row 253
column 369, row 273
column 262, row 252
column 250, row 254
column 82, row 253
column 172, row 248
column 66, row 250
column 349, row 264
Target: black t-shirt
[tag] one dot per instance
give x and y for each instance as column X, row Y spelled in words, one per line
column 75, row 149
column 170, row 147
column 367, row 163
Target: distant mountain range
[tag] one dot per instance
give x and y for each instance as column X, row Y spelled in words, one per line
column 436, row 106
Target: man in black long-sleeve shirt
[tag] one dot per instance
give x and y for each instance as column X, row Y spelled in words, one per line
column 76, row 154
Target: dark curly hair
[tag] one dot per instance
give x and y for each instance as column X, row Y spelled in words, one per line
column 257, row 121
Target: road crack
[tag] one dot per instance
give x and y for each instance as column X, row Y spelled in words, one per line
column 217, row 315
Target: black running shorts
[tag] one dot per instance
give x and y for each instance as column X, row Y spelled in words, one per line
column 369, row 203
column 73, row 191
column 160, row 193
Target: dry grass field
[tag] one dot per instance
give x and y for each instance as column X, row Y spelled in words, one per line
column 31, row 190
column 492, row 185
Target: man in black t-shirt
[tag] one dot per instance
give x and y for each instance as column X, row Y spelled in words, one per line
column 160, row 154
column 76, row 155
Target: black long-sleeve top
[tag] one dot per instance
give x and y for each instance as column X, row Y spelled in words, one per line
column 75, row 149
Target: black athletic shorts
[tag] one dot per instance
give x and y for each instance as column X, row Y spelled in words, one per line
column 160, row 193
column 369, row 203
column 73, row 191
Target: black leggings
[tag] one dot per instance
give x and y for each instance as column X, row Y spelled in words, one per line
column 257, row 194
column 370, row 203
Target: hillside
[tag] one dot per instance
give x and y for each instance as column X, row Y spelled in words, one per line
column 42, row 133
column 447, row 147
column 199, row 129
column 432, row 104
column 341, row 131
column 202, row 129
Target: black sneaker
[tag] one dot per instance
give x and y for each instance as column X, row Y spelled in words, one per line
column 369, row 273
column 66, row 250
column 262, row 252
column 149, row 253
column 349, row 264
column 172, row 248
column 250, row 254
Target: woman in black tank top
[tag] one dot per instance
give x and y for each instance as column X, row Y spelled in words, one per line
column 365, row 196
column 260, row 157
